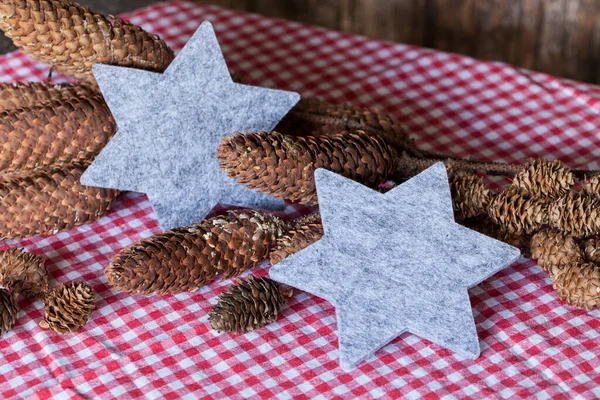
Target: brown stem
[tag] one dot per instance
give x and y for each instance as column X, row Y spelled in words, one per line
column 410, row 164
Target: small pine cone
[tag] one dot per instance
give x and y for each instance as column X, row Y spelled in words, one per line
column 49, row 201
column 186, row 258
column 68, row 307
column 8, row 311
column 516, row 213
column 56, row 133
column 576, row 214
column 24, row 273
column 249, row 305
column 72, row 38
column 554, row 251
column 304, row 232
column 591, row 251
column 579, row 285
column 283, row 166
column 543, row 178
column 33, row 94
column 592, row 185
column 314, row 117
column 470, row 195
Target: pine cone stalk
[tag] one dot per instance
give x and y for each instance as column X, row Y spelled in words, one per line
column 33, row 94
column 248, row 305
column 49, row 201
column 72, row 38
column 68, row 307
column 283, row 166
column 8, row 311
column 24, row 273
column 515, row 212
column 577, row 214
column 579, row 285
column 555, row 251
column 302, row 233
column 470, row 195
column 59, row 132
column 543, row 178
column 186, row 258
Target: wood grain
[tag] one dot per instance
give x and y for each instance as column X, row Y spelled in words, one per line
column 560, row 37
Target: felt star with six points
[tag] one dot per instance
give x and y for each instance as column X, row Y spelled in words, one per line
column 169, row 128
column 395, row 262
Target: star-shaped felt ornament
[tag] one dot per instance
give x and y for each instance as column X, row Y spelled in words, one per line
column 395, row 262
column 169, row 128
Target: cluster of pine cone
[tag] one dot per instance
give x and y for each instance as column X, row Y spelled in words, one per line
column 23, row 274
column 221, row 247
column 546, row 211
column 49, row 134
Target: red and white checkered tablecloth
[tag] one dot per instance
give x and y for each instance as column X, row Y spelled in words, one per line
column 163, row 347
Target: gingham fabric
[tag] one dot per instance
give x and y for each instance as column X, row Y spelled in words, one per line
column 163, row 347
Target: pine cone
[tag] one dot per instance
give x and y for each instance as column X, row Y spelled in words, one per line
column 516, row 213
column 576, row 214
column 68, row 307
column 470, row 195
column 543, row 178
column 72, row 38
column 592, row 185
column 8, row 311
column 555, row 251
column 314, row 117
column 59, row 132
column 283, row 166
column 24, row 273
column 249, row 305
column 304, row 232
column 186, row 258
column 33, row 94
column 579, row 285
column 49, row 201
column 591, row 251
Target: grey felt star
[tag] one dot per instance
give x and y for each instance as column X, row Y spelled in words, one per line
column 169, row 128
column 395, row 262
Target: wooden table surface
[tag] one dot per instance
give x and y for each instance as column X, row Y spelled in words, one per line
column 560, row 37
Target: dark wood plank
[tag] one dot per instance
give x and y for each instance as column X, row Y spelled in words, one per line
column 560, row 37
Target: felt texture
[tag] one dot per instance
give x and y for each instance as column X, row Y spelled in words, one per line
column 169, row 128
column 395, row 262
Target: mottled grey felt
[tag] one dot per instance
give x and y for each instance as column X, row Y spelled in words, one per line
column 395, row 262
column 169, row 128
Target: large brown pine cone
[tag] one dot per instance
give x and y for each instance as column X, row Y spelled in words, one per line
column 186, row 258
column 314, row 117
column 248, row 305
column 33, row 94
column 470, row 195
column 302, row 233
column 8, row 311
column 554, row 251
column 576, row 213
column 283, row 166
column 72, row 38
column 543, row 178
column 59, row 132
column 49, row 201
column 24, row 273
column 515, row 212
column 579, row 285
column 68, row 307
